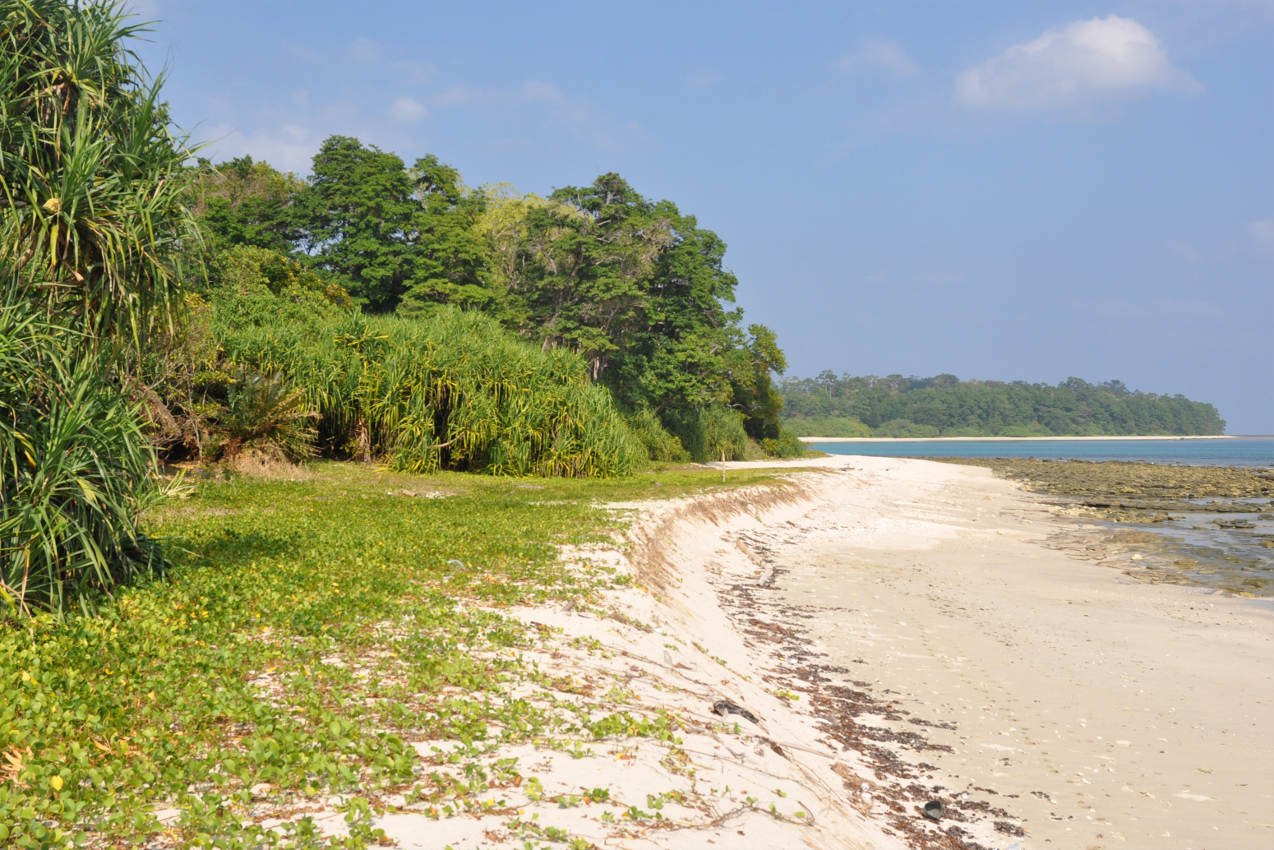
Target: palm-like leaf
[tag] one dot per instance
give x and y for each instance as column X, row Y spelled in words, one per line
column 90, row 170
column 452, row 391
column 89, row 209
column 75, row 470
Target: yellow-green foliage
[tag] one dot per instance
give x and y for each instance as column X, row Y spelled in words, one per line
column 450, row 391
column 74, row 471
column 660, row 445
column 713, row 433
column 184, row 694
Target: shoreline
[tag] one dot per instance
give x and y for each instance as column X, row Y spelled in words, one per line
column 891, row 631
column 1099, row 711
column 1011, row 439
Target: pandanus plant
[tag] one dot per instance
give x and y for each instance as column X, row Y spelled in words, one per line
column 90, row 169
column 75, row 471
column 90, row 182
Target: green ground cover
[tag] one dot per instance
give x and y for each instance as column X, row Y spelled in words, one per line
column 307, row 632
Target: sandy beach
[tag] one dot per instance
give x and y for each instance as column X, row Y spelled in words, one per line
column 1005, row 439
column 879, row 634
column 1112, row 713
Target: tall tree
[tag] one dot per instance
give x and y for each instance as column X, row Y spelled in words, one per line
column 585, row 265
column 754, row 362
column 451, row 257
column 242, row 202
column 357, row 220
column 679, row 357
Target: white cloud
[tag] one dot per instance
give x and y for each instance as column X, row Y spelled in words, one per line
column 1261, row 232
column 1063, row 67
column 408, row 110
column 874, row 54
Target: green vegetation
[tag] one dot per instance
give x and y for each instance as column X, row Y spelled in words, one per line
column 75, row 469
column 89, row 204
column 944, row 406
column 450, row 391
column 308, row 630
column 623, row 292
column 375, row 311
column 90, row 171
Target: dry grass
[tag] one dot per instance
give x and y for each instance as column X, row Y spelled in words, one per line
column 269, row 466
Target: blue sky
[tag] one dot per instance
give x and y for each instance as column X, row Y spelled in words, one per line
column 1001, row 190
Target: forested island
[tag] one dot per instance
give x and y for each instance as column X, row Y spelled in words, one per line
column 945, row 406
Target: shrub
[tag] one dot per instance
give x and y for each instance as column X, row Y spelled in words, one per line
column 264, row 414
column 1034, row 429
column 905, row 428
column 75, row 470
column 787, row 445
column 660, row 445
column 712, row 433
column 449, row 391
column 827, row 426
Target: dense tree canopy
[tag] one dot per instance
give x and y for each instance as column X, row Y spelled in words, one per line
column 242, row 202
column 944, row 405
column 635, row 287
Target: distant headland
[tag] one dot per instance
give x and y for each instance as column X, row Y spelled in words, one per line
column 943, row 406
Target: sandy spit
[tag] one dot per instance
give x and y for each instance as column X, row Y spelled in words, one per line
column 902, row 632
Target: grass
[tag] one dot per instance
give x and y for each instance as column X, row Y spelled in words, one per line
column 307, row 634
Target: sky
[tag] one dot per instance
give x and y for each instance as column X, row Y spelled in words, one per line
column 1000, row 190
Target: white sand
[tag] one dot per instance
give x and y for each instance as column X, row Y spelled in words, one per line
column 1121, row 714
column 1088, row 709
column 1005, row 439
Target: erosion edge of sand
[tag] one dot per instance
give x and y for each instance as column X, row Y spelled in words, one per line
column 898, row 569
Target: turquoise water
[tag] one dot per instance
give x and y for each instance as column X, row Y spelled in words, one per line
column 1235, row 451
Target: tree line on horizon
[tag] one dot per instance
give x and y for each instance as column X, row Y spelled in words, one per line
column 945, row 406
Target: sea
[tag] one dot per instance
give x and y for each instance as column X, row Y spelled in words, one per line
column 1205, row 552
column 1227, row 451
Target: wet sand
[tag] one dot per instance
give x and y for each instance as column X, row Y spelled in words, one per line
column 1008, row 439
column 1104, row 712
